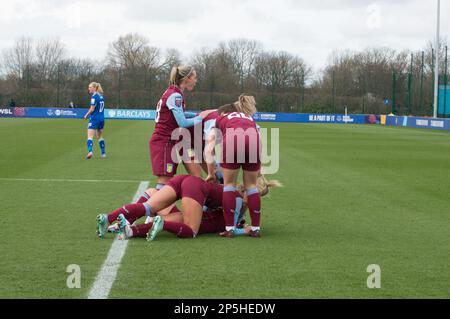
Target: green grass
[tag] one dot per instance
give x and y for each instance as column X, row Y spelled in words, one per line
column 353, row 196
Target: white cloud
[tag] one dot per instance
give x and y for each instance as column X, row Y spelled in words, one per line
column 311, row 29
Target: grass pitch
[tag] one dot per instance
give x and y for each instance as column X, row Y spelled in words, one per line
column 353, row 196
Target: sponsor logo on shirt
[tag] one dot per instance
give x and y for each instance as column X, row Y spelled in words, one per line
column 178, row 101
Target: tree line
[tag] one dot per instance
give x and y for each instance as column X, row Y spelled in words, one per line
column 134, row 74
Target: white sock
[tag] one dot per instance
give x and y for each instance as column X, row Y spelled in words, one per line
column 229, row 228
column 256, row 228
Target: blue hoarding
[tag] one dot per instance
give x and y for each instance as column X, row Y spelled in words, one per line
column 123, row 114
column 142, row 114
column 314, row 118
column 418, row 122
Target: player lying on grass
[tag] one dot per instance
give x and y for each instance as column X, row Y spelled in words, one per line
column 194, row 194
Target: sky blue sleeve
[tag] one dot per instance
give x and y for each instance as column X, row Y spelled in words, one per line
column 175, row 104
column 190, row 115
column 182, row 121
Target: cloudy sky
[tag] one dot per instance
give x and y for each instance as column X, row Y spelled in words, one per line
column 312, row 29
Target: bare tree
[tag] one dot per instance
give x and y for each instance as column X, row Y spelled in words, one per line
column 243, row 54
column 17, row 60
column 49, row 54
column 131, row 52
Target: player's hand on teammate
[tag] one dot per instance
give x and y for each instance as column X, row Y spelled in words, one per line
column 211, row 178
column 204, row 114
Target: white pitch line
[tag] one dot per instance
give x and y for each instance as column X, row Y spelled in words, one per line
column 67, row 180
column 107, row 275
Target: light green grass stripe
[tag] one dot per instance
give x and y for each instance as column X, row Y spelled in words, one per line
column 108, row 272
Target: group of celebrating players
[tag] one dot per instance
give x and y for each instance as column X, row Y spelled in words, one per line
column 212, row 205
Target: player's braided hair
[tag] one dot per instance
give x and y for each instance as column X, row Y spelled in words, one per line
column 179, row 73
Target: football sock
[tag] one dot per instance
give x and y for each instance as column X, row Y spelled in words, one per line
column 141, row 230
column 101, row 143
column 143, row 199
column 132, row 212
column 90, row 144
column 254, row 207
column 179, row 229
column 159, row 186
column 229, row 206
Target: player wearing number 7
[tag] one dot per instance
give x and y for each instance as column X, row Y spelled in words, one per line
column 96, row 119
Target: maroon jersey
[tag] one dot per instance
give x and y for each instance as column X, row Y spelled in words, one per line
column 234, row 120
column 209, row 123
column 165, row 120
column 212, row 222
column 214, row 197
column 239, row 148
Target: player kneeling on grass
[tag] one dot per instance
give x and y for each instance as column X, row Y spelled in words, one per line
column 202, row 213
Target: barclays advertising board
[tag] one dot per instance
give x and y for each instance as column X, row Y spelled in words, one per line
column 119, row 114
column 122, row 114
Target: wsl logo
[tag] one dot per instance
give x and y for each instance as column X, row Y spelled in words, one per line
column 6, row 112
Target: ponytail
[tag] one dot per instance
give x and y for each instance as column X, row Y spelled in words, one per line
column 246, row 104
column 264, row 185
column 97, row 86
column 178, row 73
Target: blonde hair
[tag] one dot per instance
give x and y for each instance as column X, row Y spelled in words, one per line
column 97, row 86
column 263, row 185
column 179, row 73
column 246, row 104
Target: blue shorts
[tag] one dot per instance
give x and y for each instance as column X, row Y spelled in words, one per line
column 96, row 125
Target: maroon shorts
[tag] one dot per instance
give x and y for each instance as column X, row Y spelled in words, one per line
column 161, row 156
column 245, row 152
column 212, row 222
column 174, row 210
column 190, row 186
